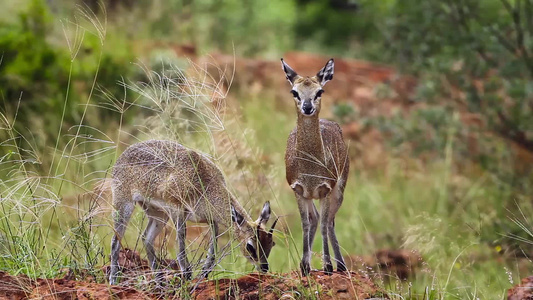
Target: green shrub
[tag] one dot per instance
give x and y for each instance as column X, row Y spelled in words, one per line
column 46, row 84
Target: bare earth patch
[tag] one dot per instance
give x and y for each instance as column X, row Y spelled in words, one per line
column 253, row 286
column 387, row 263
column 348, row 285
column 21, row 287
column 522, row 291
column 290, row 286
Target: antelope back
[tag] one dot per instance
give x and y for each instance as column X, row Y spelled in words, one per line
column 166, row 170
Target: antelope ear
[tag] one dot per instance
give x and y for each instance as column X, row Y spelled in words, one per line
column 236, row 217
column 326, row 73
column 289, row 72
column 273, row 225
column 265, row 213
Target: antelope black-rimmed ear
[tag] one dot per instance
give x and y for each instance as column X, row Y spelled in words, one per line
column 236, row 216
column 273, row 225
column 326, row 73
column 265, row 213
column 289, row 72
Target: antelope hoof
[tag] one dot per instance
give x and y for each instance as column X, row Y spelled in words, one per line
column 113, row 281
column 159, row 277
column 203, row 275
column 341, row 267
column 328, row 268
column 187, row 275
column 305, row 267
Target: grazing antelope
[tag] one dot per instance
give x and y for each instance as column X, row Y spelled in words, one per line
column 168, row 180
column 316, row 165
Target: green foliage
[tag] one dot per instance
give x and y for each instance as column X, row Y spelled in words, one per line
column 248, row 26
column 425, row 131
column 36, row 73
column 344, row 112
column 339, row 26
column 469, row 56
column 31, row 68
column 245, row 27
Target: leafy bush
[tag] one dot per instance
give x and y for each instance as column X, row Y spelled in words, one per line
column 45, row 84
column 473, row 57
column 31, row 70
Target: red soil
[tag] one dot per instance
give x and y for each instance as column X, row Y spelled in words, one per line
column 21, row 287
column 253, row 286
column 522, row 291
column 349, row 285
column 291, row 285
column 387, row 263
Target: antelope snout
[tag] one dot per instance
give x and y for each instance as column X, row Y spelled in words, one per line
column 307, row 108
column 264, row 267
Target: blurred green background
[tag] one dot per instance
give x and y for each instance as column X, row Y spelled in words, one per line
column 435, row 99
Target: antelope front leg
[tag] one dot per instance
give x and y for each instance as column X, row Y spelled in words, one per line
column 335, row 203
column 324, row 228
column 210, row 260
column 122, row 215
column 309, row 216
column 341, row 265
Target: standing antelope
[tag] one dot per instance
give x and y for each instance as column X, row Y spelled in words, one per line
column 316, row 165
column 169, row 180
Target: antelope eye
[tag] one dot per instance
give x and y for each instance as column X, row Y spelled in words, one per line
column 251, row 249
column 319, row 94
column 295, row 94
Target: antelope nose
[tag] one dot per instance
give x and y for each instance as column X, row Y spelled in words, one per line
column 307, row 108
column 264, row 268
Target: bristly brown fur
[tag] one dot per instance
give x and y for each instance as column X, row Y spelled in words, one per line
column 316, row 164
column 308, row 82
column 171, row 181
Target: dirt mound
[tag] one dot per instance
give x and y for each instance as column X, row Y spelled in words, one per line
column 22, row 287
column 387, row 263
column 349, row 285
column 253, row 286
column 290, row 286
column 523, row 291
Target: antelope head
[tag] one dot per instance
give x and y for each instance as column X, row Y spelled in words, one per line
column 307, row 91
column 257, row 240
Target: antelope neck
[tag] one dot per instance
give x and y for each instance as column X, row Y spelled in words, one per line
column 308, row 137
